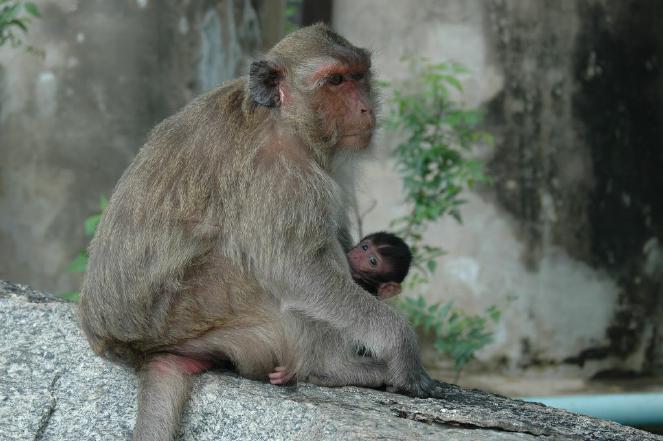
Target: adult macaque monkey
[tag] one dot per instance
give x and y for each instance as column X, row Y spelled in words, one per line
column 223, row 239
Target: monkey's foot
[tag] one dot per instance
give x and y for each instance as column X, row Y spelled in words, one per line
column 281, row 376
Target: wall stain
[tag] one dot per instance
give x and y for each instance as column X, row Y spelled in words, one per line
column 620, row 105
column 579, row 125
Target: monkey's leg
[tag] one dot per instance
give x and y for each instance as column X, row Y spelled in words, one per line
column 345, row 367
column 361, row 371
column 368, row 373
column 164, row 386
column 254, row 349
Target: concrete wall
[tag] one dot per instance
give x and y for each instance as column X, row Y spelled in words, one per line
column 568, row 240
column 71, row 122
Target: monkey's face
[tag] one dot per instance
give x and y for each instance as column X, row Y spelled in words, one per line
column 365, row 258
column 343, row 100
column 320, row 88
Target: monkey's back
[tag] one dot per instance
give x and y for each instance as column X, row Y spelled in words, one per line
column 162, row 221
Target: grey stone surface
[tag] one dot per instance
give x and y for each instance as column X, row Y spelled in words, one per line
column 53, row 388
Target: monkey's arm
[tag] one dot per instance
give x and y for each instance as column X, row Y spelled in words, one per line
column 296, row 253
column 324, row 292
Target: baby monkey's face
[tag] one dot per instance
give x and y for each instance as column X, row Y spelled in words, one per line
column 365, row 258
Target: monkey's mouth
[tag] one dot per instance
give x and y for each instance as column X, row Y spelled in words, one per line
column 356, row 140
column 358, row 134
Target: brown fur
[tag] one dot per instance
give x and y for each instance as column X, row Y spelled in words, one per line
column 225, row 240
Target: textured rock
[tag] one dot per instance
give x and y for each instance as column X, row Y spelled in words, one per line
column 54, row 388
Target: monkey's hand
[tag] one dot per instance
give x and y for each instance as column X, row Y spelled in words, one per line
column 282, row 376
column 419, row 386
column 426, row 387
column 408, row 376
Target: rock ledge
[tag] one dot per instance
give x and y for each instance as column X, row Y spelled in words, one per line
column 54, row 388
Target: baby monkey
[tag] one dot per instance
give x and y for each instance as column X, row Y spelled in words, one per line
column 378, row 263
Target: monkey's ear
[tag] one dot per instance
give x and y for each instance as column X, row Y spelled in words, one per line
column 388, row 289
column 264, row 77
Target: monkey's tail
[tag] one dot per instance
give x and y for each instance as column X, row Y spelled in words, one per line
column 164, row 386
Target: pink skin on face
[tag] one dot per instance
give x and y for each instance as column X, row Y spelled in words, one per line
column 366, row 258
column 345, row 90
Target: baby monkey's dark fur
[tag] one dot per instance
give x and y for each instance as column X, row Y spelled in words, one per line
column 225, row 239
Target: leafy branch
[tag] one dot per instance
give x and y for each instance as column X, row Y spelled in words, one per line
column 433, row 160
column 436, row 165
column 454, row 332
column 14, row 19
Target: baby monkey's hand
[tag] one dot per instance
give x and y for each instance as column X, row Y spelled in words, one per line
column 282, row 376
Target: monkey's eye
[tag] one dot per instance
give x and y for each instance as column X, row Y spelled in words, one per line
column 373, row 260
column 335, row 79
column 358, row 76
column 364, row 247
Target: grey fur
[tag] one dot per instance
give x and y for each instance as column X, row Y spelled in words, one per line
column 224, row 236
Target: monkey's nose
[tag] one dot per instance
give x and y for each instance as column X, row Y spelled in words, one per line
column 367, row 117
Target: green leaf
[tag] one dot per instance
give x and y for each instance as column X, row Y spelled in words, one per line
column 32, row 9
column 494, row 313
column 459, row 69
column 428, row 323
column 441, row 346
column 410, row 301
column 10, row 12
column 72, row 296
column 103, row 202
column 453, row 81
column 19, row 23
column 79, row 264
column 91, row 223
column 455, row 213
column 444, row 310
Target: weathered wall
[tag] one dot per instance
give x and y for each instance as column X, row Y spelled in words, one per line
column 567, row 242
column 71, row 122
